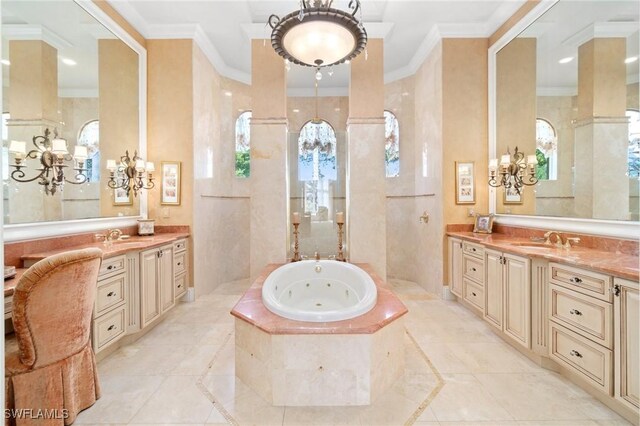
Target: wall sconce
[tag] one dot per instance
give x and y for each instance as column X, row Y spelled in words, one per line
column 131, row 174
column 514, row 171
column 52, row 155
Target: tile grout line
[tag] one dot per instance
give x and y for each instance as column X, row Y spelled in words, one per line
column 164, row 379
column 203, row 389
column 432, row 395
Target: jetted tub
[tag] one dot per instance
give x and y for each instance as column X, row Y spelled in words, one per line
column 319, row 291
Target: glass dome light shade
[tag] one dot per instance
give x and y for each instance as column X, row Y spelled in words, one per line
column 323, row 41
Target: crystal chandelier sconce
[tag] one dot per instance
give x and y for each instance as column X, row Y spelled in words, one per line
column 513, row 171
column 318, row 35
column 52, row 154
column 130, row 174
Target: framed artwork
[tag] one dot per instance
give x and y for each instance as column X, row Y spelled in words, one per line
column 465, row 183
column 484, row 223
column 120, row 196
column 511, row 196
column 170, row 183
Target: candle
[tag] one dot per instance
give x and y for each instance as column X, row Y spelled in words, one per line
column 505, row 159
column 140, row 165
column 59, row 146
column 111, row 165
column 80, row 153
column 296, row 218
column 340, row 217
column 532, row 159
column 493, row 163
column 18, row 147
column 151, row 167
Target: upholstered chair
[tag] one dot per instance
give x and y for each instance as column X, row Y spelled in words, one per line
column 51, row 364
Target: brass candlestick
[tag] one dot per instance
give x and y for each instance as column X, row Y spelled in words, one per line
column 340, row 256
column 296, row 253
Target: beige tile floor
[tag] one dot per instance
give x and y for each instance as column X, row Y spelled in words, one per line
column 458, row 372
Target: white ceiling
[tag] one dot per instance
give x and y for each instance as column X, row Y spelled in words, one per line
column 224, row 30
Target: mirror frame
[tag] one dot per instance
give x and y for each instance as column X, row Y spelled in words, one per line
column 29, row 231
column 611, row 228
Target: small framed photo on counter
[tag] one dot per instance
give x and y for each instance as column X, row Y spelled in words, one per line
column 465, row 182
column 170, row 183
column 483, row 224
column 511, row 196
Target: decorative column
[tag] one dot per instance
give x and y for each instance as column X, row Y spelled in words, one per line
column 601, row 183
column 33, row 105
column 366, row 201
column 269, row 164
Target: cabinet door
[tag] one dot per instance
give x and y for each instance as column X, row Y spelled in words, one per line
column 455, row 266
column 167, row 288
column 517, row 299
column 627, row 342
column 493, row 288
column 149, row 286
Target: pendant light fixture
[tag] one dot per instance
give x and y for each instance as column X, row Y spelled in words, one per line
column 318, row 35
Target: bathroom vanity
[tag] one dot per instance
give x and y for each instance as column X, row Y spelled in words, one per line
column 574, row 311
column 139, row 281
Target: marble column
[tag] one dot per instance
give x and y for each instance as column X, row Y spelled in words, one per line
column 33, row 107
column 269, row 159
column 601, row 140
column 366, row 201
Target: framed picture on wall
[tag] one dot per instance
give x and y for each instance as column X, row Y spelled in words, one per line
column 120, row 196
column 511, row 196
column 465, row 182
column 170, row 183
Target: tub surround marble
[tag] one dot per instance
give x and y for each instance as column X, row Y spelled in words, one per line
column 251, row 310
column 341, row 363
column 623, row 265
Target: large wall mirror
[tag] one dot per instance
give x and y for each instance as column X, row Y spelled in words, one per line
column 67, row 75
column 565, row 89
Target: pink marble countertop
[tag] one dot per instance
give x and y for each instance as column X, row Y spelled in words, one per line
column 10, row 284
column 251, row 309
column 612, row 263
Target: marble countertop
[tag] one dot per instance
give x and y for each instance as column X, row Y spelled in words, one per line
column 251, row 309
column 612, row 263
column 134, row 243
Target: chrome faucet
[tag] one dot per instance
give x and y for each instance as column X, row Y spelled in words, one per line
column 317, row 255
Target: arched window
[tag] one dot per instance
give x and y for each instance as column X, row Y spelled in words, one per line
column 243, row 145
column 634, row 143
column 89, row 136
column 546, row 150
column 392, row 144
column 316, row 164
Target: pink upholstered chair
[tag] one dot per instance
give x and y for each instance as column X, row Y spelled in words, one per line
column 53, row 366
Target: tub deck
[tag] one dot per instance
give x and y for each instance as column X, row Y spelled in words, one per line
column 251, row 309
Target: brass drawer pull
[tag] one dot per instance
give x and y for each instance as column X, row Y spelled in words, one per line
column 575, row 312
column 179, row 263
column 473, row 294
column 111, row 294
column 575, row 280
column 575, row 353
column 473, row 269
column 111, row 327
column 179, row 285
column 110, row 267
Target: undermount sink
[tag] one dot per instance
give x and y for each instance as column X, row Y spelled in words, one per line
column 122, row 244
column 533, row 245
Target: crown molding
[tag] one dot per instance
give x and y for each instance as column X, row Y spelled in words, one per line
column 34, row 32
column 427, row 45
column 601, row 30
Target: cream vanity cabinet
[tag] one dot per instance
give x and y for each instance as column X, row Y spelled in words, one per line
column 508, row 295
column 627, row 342
column 156, row 282
column 455, row 266
column 180, row 267
column 109, row 312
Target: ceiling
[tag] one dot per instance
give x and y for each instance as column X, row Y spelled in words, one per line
column 224, row 30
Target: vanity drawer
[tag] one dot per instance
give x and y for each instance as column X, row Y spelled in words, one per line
column 473, row 249
column 179, row 263
column 473, row 268
column 473, row 293
column 589, row 360
column 108, row 329
column 589, row 317
column 180, row 245
column 181, row 285
column 111, row 292
column 586, row 282
column 112, row 266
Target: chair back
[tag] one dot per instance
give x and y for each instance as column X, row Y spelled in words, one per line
column 52, row 306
